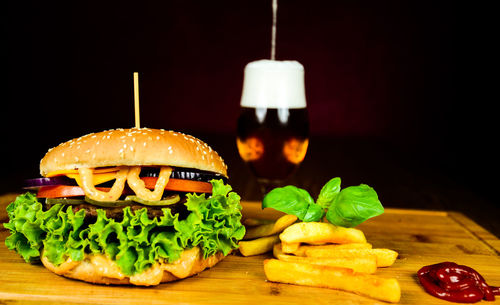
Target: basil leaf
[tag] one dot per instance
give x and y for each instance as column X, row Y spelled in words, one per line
column 314, row 213
column 329, row 192
column 353, row 205
column 295, row 201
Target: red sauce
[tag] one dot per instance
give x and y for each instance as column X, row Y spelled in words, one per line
column 456, row 283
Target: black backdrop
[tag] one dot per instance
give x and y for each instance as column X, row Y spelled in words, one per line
column 411, row 73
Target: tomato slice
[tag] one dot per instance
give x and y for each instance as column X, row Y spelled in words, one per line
column 57, row 191
column 181, row 185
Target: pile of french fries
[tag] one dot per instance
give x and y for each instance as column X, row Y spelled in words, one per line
column 321, row 254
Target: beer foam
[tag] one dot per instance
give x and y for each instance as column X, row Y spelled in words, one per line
column 273, row 84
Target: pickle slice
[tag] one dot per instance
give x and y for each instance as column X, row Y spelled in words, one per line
column 167, row 201
column 129, row 200
column 109, row 204
column 65, row 201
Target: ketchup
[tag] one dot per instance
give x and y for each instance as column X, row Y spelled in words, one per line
column 456, row 283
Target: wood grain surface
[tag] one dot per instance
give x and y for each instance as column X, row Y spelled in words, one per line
column 420, row 237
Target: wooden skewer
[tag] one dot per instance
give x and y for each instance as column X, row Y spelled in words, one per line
column 136, row 100
column 273, row 30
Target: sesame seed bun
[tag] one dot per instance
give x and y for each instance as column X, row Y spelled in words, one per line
column 99, row 269
column 133, row 147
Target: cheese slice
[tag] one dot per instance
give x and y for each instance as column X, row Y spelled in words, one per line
column 101, row 175
column 65, row 172
column 97, row 178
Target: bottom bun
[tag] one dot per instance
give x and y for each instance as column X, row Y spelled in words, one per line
column 99, row 269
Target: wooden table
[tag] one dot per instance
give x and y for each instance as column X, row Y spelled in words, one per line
column 420, row 237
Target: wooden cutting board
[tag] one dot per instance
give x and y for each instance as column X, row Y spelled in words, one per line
column 420, row 237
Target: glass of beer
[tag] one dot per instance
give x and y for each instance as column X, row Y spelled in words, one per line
column 273, row 126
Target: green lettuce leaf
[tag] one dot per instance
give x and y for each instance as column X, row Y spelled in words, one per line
column 136, row 241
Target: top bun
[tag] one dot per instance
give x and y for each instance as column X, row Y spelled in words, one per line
column 133, row 147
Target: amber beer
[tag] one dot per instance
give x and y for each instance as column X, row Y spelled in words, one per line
column 274, row 147
column 273, row 126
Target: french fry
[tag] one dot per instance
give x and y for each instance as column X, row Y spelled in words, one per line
column 277, row 250
column 258, row 246
column 366, row 264
column 290, row 248
column 299, row 273
column 252, row 222
column 270, row 229
column 321, row 232
column 301, row 250
column 384, row 257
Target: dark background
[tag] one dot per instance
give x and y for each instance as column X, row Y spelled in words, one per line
column 398, row 92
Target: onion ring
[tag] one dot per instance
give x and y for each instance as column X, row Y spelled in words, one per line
column 138, row 186
column 114, row 193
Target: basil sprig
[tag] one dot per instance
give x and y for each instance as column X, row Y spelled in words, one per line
column 346, row 207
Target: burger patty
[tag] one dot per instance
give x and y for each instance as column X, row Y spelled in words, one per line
column 116, row 213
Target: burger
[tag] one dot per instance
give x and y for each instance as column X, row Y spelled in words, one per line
column 132, row 206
